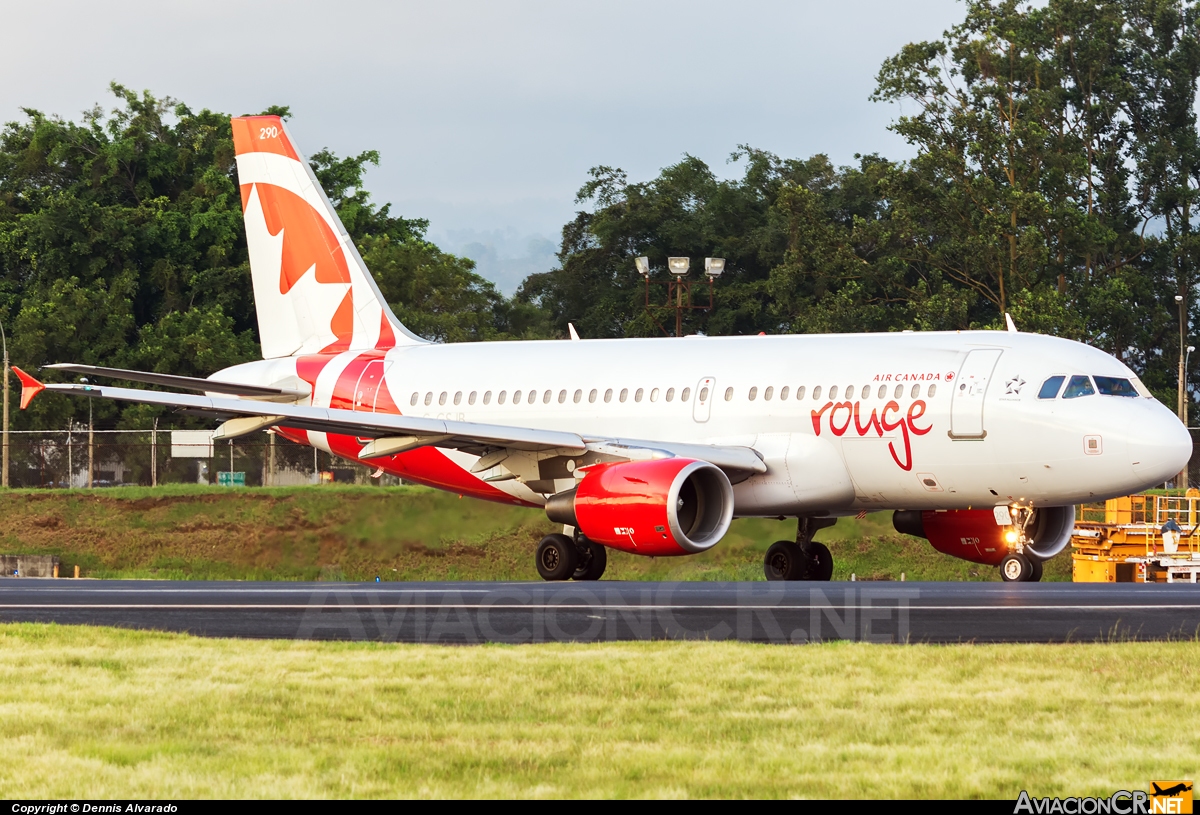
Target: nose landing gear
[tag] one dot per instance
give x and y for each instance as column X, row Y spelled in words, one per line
column 1019, row 565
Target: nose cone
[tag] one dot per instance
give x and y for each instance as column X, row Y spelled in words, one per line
column 1161, row 449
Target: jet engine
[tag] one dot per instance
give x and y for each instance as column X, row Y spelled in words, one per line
column 660, row 507
column 975, row 535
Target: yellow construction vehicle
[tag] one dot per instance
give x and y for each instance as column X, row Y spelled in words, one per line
column 1144, row 538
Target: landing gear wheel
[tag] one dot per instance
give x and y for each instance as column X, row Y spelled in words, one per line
column 819, row 561
column 1036, row 575
column 557, row 557
column 591, row 561
column 1016, row 568
column 784, row 561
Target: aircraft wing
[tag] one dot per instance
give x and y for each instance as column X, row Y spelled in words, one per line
column 385, row 434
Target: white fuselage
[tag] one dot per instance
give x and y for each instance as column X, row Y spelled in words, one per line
column 947, row 420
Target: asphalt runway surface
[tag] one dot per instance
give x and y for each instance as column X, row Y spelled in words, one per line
column 465, row 613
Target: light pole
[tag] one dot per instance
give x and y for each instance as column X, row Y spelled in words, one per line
column 1181, row 482
column 4, row 472
column 679, row 290
column 91, row 440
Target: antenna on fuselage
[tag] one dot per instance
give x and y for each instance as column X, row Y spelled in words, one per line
column 1008, row 321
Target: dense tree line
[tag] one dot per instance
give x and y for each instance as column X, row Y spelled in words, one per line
column 1056, row 166
column 122, row 244
column 1056, row 169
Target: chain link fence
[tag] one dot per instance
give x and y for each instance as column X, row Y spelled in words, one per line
column 60, row 459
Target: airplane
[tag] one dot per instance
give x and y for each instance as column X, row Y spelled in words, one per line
column 1170, row 792
column 981, row 442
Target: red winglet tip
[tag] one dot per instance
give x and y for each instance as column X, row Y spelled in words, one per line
column 30, row 387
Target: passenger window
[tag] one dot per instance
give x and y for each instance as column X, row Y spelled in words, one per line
column 932, row 390
column 457, row 397
column 882, row 392
column 916, row 391
column 899, row 392
column 703, row 394
column 687, row 394
column 817, row 392
column 768, row 393
column 608, row 395
column 592, row 395
column 547, row 395
column 578, row 397
column 850, row 392
column 670, row 394
column 729, row 394
column 500, row 398
column 1078, row 386
column 800, row 393
column 429, row 398
column 471, row 398
column 413, row 401
column 753, row 393
column 654, row 395
column 624, row 394
column 783, row 392
column 1113, row 386
column 637, row 397
column 833, row 392
column 487, row 397
column 442, row 398
column 866, row 392
column 516, row 397
column 562, row 397
column 1051, row 387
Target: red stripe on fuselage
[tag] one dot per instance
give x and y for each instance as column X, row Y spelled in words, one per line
column 426, row 465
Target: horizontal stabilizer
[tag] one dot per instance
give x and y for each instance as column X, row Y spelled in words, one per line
column 187, row 383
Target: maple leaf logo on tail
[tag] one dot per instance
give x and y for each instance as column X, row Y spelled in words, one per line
column 312, row 292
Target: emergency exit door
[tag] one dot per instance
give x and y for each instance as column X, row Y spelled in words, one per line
column 970, row 388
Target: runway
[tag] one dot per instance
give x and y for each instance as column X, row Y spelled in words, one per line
column 466, row 613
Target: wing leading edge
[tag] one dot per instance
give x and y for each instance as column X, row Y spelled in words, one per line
column 500, row 446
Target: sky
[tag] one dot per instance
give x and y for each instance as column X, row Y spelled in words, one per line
column 488, row 115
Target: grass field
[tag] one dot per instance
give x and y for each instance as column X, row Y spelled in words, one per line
column 398, row 533
column 99, row 713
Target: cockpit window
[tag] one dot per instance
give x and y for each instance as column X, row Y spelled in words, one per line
column 1114, row 386
column 1078, row 386
column 1051, row 387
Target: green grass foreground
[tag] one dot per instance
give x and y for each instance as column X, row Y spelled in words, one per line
column 96, row 713
column 399, row 533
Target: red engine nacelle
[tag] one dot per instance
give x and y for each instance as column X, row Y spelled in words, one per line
column 662, row 507
column 973, row 534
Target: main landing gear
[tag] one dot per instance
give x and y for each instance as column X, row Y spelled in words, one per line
column 803, row 558
column 562, row 558
column 1020, row 568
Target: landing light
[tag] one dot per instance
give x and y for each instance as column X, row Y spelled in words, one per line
column 1010, row 536
column 679, row 266
column 714, row 266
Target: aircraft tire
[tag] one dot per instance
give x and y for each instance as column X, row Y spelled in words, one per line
column 819, row 561
column 784, row 561
column 1016, row 568
column 1035, row 575
column 591, row 566
column 557, row 558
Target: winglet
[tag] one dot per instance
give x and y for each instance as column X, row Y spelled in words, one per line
column 1008, row 321
column 30, row 387
column 574, row 333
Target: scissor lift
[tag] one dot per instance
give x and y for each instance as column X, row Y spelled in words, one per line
column 1123, row 542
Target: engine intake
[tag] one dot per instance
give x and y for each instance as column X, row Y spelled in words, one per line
column 661, row 507
column 973, row 534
